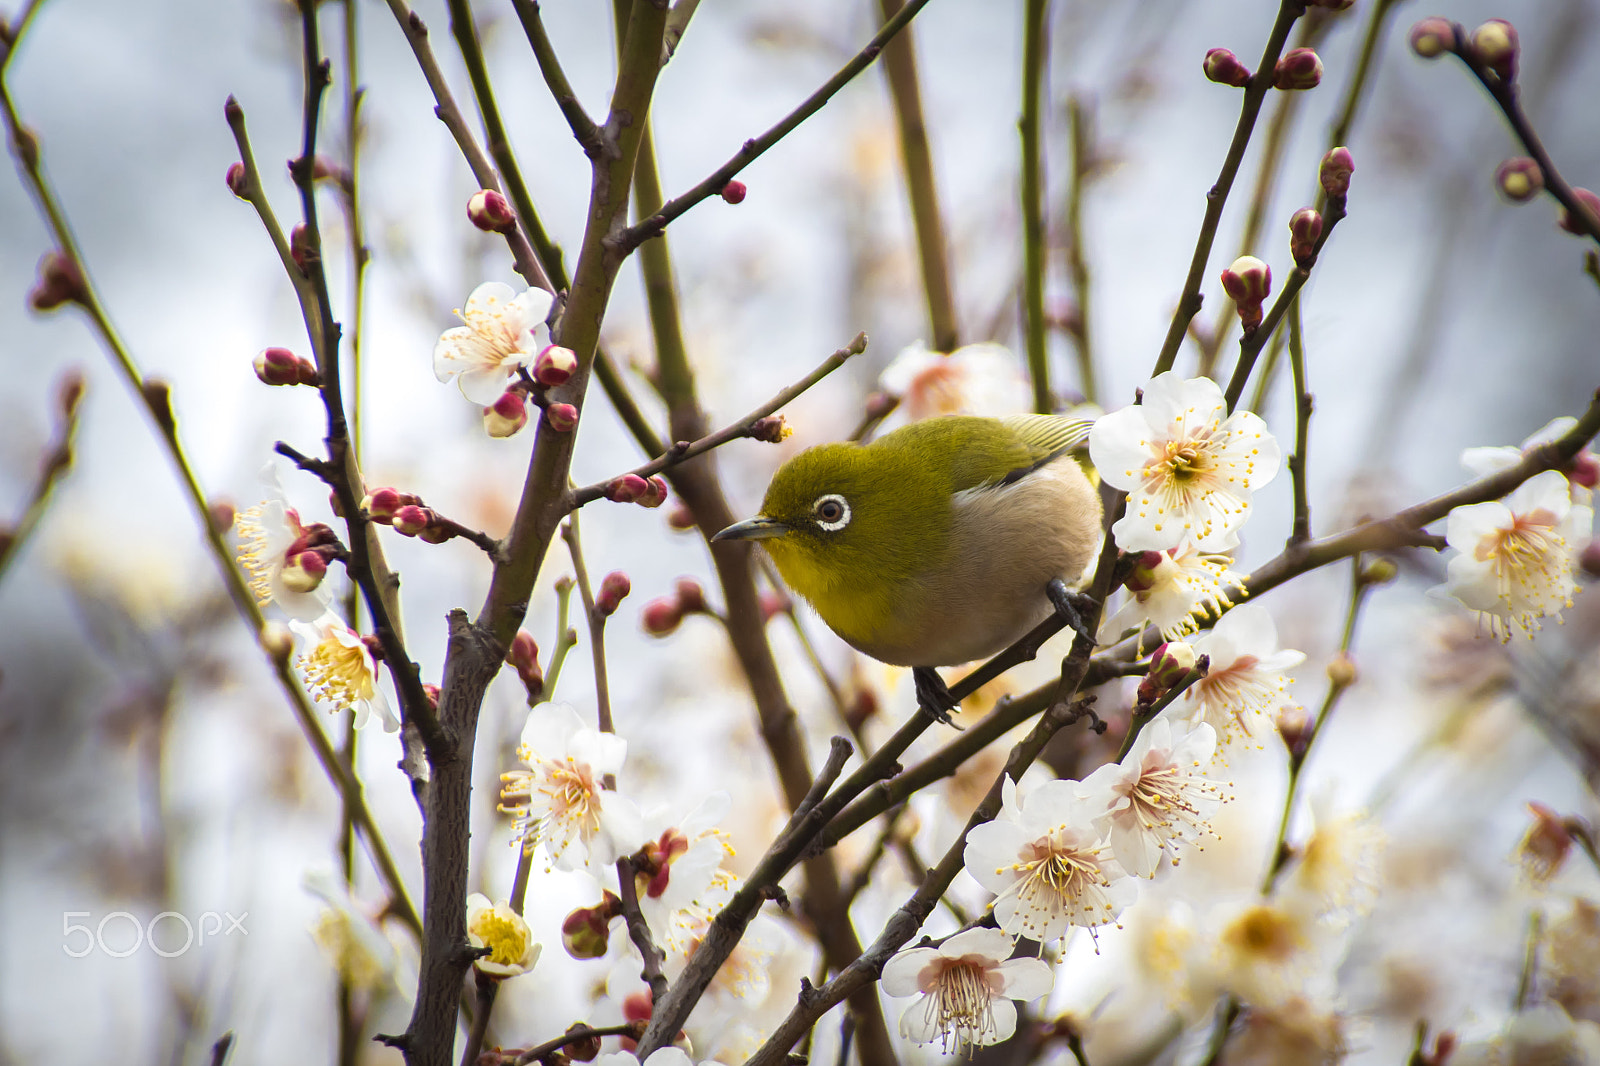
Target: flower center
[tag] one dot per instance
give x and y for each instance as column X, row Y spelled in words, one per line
column 573, row 794
column 337, row 673
column 1264, row 932
column 1524, row 548
column 965, row 1004
column 506, row 943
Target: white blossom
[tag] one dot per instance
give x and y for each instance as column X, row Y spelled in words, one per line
column 1047, row 864
column 1246, row 685
column 1156, row 797
column 682, row 884
column 500, row 335
column 1188, row 466
column 512, row 949
column 560, row 800
column 267, row 532
column 967, row 985
column 1481, row 462
column 340, row 670
column 1182, row 583
column 979, row 379
column 1515, row 557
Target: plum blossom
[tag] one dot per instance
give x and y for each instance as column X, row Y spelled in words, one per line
column 1177, row 585
column 1246, row 685
column 967, row 985
column 354, row 943
column 979, row 379
column 512, row 949
column 667, row 1056
column 1156, row 797
column 681, row 882
column 1516, row 556
column 340, row 670
column 271, row 539
column 560, row 800
column 500, row 335
column 1046, row 863
column 1188, row 466
column 1581, row 473
column 1337, row 875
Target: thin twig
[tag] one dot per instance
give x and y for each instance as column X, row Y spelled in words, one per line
column 683, row 451
column 1254, row 94
column 1035, row 49
column 1302, row 428
column 486, row 992
column 583, row 127
column 572, row 1036
column 754, row 148
column 1530, row 959
column 57, row 462
column 905, row 93
column 1143, row 714
column 1080, row 123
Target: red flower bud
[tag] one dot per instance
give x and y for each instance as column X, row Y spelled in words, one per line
column 1248, row 282
column 280, row 366
column 1224, row 68
column 523, row 656
column 1587, row 199
column 1433, row 37
column 774, row 603
column 1584, row 469
column 1305, row 226
column 1334, row 172
column 60, row 282
column 489, row 211
column 1298, row 69
column 411, row 520
column 680, row 518
column 660, row 617
column 656, row 495
column 507, row 415
column 563, row 417
column 583, row 932
column 554, row 366
column 301, row 247
column 432, row 692
column 733, row 192
column 629, row 488
column 691, row 597
column 238, row 181
column 1519, row 179
column 1143, row 576
column 614, row 588
column 304, row 571
column 1171, row 663
column 1495, row 44
column 381, row 504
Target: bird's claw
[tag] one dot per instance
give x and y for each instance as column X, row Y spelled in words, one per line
column 1071, row 606
column 934, row 698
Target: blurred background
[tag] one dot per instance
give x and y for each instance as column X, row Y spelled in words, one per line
column 148, row 763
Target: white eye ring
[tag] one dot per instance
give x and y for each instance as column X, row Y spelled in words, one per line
column 840, row 508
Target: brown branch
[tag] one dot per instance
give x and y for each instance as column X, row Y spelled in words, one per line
column 1301, row 530
column 583, row 127
column 900, row 67
column 1035, row 49
column 1217, row 197
column 1081, row 124
column 572, row 1036
column 657, row 222
column 683, row 451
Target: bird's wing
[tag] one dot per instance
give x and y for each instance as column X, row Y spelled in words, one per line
column 1047, row 438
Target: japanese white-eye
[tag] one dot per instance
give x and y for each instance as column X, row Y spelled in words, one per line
column 933, row 545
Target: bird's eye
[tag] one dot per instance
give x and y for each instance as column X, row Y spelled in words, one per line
column 832, row 512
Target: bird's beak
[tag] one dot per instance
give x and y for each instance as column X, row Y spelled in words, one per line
column 757, row 528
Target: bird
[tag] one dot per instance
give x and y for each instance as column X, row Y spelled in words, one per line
column 940, row 543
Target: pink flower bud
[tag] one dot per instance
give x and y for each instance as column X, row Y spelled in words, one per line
column 301, row 248
column 277, row 642
column 1495, row 44
column 523, row 656
column 381, row 504
column 60, row 282
column 583, row 932
column 222, row 514
column 1584, row 469
column 656, row 495
column 614, row 588
column 1298, row 69
column 410, row 520
column 277, row 366
column 733, row 192
column 691, row 597
column 490, row 212
column 1171, row 663
column 1519, row 179
column 1334, row 172
column 1224, row 68
column 1142, row 578
column 1305, row 226
column 1247, row 282
column 628, row 488
column 507, row 415
column 554, row 366
column 432, row 692
column 1295, row 726
column 1433, row 37
column 774, row 603
column 238, row 183
column 660, row 617
column 1589, row 200
column 304, row 572
column 563, row 417
column 680, row 518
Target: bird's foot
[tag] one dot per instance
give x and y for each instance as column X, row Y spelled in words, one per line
column 934, row 698
column 1071, row 606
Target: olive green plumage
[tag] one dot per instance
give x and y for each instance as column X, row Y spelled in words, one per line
column 933, row 544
